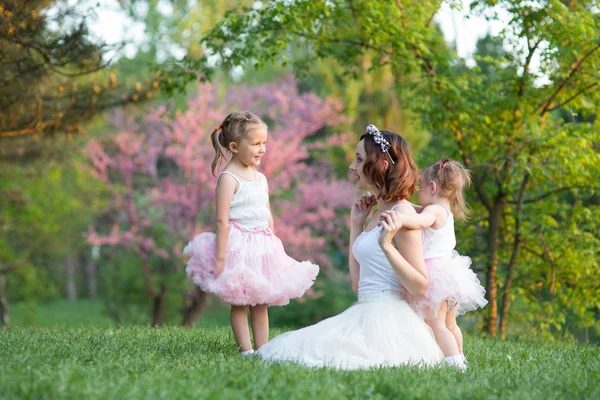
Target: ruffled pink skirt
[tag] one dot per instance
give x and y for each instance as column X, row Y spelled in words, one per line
column 257, row 270
column 450, row 279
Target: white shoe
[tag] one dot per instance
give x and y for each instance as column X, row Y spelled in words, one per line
column 248, row 353
column 456, row 361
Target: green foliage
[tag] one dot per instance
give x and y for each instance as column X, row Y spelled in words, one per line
column 175, row 25
column 30, row 284
column 54, row 75
column 47, row 209
column 535, row 173
column 123, row 288
column 61, row 314
column 134, row 363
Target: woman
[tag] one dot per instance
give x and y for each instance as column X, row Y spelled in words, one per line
column 381, row 330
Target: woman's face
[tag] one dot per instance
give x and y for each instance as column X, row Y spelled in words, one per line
column 356, row 168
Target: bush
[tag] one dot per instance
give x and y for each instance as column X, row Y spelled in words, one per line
column 123, row 290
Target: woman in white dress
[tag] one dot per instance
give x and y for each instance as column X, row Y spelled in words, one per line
column 381, row 329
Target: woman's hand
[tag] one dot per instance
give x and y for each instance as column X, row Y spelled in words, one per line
column 361, row 209
column 391, row 223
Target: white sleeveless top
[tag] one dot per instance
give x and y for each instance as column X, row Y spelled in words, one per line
column 376, row 273
column 249, row 204
column 440, row 242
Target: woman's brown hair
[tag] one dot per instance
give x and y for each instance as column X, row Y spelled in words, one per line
column 395, row 180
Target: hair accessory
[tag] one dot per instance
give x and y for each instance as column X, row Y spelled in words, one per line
column 443, row 164
column 218, row 128
column 379, row 139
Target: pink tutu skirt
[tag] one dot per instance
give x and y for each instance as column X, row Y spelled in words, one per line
column 257, row 270
column 450, row 279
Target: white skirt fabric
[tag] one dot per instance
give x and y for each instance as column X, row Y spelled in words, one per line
column 381, row 330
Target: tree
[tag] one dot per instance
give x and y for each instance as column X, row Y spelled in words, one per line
column 43, row 219
column 499, row 118
column 52, row 75
column 175, row 25
column 163, row 163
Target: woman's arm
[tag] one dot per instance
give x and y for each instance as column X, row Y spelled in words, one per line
column 407, row 260
column 226, row 187
column 358, row 214
column 353, row 264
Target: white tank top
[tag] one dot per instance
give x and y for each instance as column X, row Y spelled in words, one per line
column 249, row 204
column 375, row 274
column 440, row 242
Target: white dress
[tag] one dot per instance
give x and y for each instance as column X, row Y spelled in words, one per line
column 450, row 276
column 381, row 330
column 257, row 269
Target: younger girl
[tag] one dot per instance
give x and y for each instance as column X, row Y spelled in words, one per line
column 453, row 286
column 245, row 263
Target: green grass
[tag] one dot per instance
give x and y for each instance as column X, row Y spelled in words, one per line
column 73, row 351
column 178, row 363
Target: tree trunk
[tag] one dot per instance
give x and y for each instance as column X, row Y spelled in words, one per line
column 508, row 287
column 513, row 259
column 158, row 306
column 71, row 276
column 158, row 297
column 4, row 316
column 91, row 278
column 194, row 303
column 492, row 294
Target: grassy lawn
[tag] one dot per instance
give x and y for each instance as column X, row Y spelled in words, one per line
column 177, row 363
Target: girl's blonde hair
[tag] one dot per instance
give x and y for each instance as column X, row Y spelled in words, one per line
column 452, row 179
column 233, row 128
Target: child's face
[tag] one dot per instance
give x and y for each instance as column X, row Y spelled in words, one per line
column 251, row 148
column 356, row 168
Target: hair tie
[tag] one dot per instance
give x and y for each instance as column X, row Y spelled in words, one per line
column 380, row 140
column 218, row 128
column 443, row 164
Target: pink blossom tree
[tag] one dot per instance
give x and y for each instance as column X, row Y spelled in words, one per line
column 166, row 160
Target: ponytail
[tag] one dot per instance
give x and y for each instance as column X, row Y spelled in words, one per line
column 214, row 138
